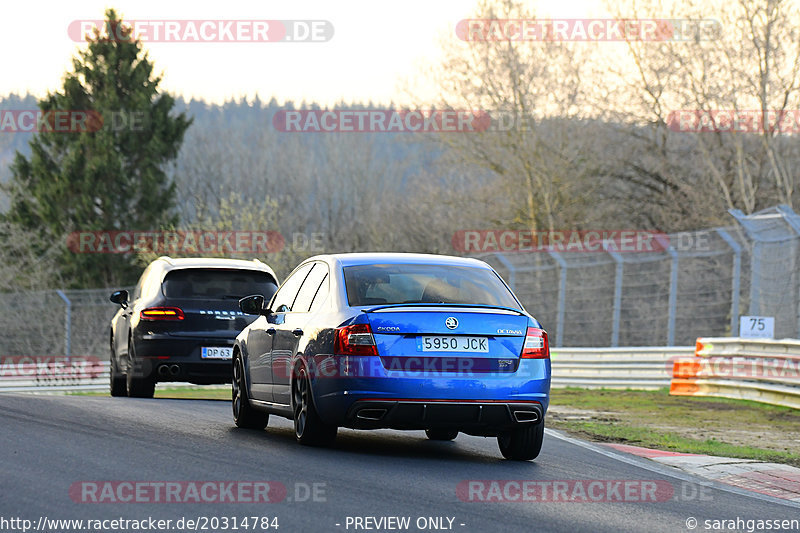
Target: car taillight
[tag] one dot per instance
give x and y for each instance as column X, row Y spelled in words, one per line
column 536, row 345
column 355, row 340
column 161, row 313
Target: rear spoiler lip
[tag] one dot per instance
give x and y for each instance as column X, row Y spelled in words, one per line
column 444, row 306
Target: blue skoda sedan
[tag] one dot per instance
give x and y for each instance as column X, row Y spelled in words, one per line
column 391, row 340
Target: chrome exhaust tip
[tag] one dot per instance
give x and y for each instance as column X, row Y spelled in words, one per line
column 526, row 416
column 371, row 414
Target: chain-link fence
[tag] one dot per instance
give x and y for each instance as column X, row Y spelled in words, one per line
column 697, row 286
column 56, row 323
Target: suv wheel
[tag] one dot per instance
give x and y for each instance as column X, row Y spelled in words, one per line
column 117, row 384
column 143, row 387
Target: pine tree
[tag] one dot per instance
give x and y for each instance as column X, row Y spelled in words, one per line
column 109, row 179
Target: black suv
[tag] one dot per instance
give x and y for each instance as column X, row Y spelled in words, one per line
column 181, row 322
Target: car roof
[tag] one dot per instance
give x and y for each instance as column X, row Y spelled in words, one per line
column 389, row 258
column 170, row 264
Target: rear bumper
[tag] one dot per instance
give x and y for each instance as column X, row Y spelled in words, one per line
column 474, row 417
column 481, row 404
column 168, row 358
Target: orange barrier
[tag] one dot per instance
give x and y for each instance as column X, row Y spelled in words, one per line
column 765, row 371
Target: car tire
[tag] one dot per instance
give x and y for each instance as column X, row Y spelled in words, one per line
column 244, row 416
column 117, row 384
column 522, row 444
column 143, row 387
column 441, row 434
column 309, row 429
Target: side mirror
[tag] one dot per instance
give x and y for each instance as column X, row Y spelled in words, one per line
column 253, row 305
column 120, row 297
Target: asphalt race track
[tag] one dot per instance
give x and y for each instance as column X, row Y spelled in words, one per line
column 52, row 443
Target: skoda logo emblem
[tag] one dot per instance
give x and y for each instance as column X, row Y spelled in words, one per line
column 451, row 322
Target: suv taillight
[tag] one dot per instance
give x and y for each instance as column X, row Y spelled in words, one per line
column 536, row 345
column 355, row 340
column 161, row 313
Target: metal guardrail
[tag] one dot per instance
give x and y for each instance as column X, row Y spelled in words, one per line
column 739, row 390
column 761, row 370
column 59, row 374
column 615, row 368
column 52, row 373
column 621, row 368
column 729, row 346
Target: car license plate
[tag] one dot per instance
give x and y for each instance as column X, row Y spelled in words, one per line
column 216, row 352
column 440, row 343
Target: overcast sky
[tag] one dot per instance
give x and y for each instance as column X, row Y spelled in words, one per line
column 376, row 47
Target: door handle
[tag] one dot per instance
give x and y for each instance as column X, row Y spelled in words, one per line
column 270, row 331
column 297, row 332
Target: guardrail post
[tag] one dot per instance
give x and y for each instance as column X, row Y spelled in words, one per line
column 755, row 277
column 736, row 282
column 617, row 295
column 673, row 296
column 793, row 220
column 512, row 271
column 67, row 323
column 755, row 260
column 562, row 296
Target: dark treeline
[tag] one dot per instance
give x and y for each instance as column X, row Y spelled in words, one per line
column 338, row 192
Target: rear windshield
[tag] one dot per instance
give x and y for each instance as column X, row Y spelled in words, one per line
column 397, row 284
column 195, row 283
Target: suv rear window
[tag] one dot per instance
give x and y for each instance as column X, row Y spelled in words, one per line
column 415, row 283
column 216, row 284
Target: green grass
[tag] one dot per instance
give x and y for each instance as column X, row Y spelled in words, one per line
column 180, row 393
column 654, row 419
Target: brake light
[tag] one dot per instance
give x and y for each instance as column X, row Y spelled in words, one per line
column 536, row 345
column 161, row 313
column 355, row 340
